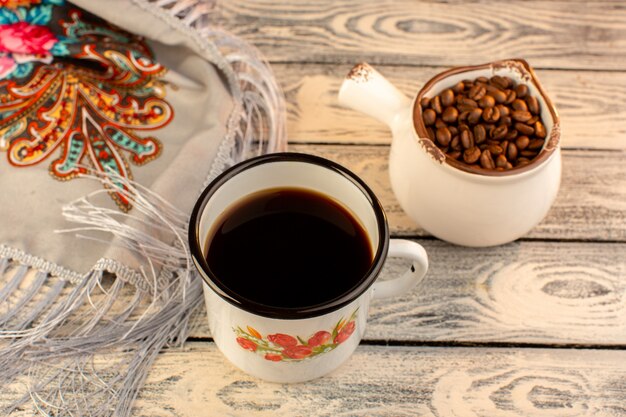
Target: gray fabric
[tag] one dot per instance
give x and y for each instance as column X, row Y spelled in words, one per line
column 202, row 101
column 83, row 344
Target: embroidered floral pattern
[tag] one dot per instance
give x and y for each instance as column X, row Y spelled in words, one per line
column 23, row 37
column 81, row 92
column 279, row 347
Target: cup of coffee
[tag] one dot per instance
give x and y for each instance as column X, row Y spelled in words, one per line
column 290, row 247
column 475, row 155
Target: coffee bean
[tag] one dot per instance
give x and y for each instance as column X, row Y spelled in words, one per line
column 506, row 121
column 463, row 116
column 455, row 143
column 486, row 101
column 510, row 96
column 536, row 144
column 499, row 95
column 454, row 154
column 521, row 116
column 466, row 102
column 471, row 155
column 429, row 117
column 508, row 165
column 440, row 123
column 540, row 130
column 477, row 92
column 486, row 161
column 435, row 104
column 495, row 150
column 528, row 154
column 447, row 97
column 532, row 120
column 458, row 87
column 499, row 132
column 512, row 134
column 524, row 129
column 491, row 114
column 533, row 104
column 522, row 142
column 450, row 114
column 444, row 136
column 501, row 161
column 453, row 130
column 474, row 116
column 521, row 90
column 500, row 82
column 511, row 151
column 467, row 139
column 480, row 134
column 483, row 80
column 504, row 110
column 519, row 105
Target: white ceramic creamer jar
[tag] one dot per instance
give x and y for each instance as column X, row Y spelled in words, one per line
column 452, row 201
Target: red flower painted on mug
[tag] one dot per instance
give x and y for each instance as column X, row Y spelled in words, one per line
column 246, row 344
column 280, row 347
column 297, row 352
column 283, row 340
column 319, row 338
column 345, row 332
column 24, row 38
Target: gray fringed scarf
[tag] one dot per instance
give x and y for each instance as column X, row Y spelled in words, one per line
column 82, row 320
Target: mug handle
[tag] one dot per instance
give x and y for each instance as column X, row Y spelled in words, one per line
column 401, row 248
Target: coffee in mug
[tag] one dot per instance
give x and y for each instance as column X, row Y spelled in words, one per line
column 323, row 250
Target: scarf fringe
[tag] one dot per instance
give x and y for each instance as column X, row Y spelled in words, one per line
column 85, row 347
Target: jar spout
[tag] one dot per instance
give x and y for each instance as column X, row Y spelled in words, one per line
column 365, row 90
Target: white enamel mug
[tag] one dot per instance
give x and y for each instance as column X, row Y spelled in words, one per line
column 448, row 199
column 296, row 344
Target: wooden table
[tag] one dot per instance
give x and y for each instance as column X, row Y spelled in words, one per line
column 533, row 328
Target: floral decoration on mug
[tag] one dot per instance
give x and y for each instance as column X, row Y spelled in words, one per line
column 279, row 347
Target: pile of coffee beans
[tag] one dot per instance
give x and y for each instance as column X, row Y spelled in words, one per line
column 488, row 123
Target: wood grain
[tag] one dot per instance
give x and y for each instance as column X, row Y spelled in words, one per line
column 592, row 105
column 523, row 292
column 591, row 204
column 389, row 381
column 381, row 381
column 550, row 34
column 397, row 381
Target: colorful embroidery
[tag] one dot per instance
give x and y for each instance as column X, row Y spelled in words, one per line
column 282, row 347
column 84, row 91
column 23, row 37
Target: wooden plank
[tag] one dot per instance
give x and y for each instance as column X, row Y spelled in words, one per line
column 399, row 381
column 523, row 292
column 555, row 34
column 384, row 381
column 591, row 204
column 592, row 105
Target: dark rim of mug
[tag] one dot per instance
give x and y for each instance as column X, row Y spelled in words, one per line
column 197, row 253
